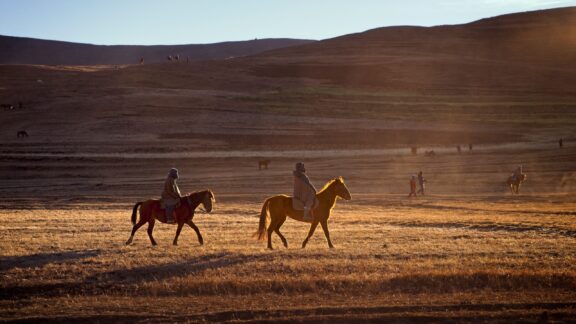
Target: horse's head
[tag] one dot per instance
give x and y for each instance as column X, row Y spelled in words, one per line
column 208, row 200
column 340, row 189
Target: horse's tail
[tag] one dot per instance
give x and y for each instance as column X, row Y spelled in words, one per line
column 134, row 210
column 262, row 225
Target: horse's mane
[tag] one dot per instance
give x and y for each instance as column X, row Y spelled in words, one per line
column 201, row 191
column 327, row 185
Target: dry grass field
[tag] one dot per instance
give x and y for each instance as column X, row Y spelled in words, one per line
column 476, row 253
column 457, row 258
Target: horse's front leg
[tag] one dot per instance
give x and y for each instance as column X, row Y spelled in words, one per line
column 195, row 228
column 324, row 224
column 180, row 225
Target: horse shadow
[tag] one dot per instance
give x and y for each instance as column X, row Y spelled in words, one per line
column 191, row 266
column 104, row 282
column 41, row 259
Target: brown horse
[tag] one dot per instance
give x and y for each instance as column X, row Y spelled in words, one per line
column 151, row 211
column 281, row 206
column 514, row 184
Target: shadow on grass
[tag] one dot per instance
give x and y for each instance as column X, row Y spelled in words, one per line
column 41, row 259
column 122, row 280
column 164, row 271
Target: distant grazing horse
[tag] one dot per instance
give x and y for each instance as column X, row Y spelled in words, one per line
column 514, row 184
column 151, row 211
column 263, row 164
column 281, row 206
column 21, row 133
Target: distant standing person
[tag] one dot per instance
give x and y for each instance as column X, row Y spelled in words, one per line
column 412, row 186
column 421, row 182
column 469, row 147
column 560, row 142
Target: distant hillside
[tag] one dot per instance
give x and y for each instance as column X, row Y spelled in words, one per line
column 518, row 52
column 17, row 50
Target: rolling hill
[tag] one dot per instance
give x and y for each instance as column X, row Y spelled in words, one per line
column 532, row 51
column 17, row 50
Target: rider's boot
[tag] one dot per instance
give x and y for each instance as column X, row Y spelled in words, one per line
column 170, row 215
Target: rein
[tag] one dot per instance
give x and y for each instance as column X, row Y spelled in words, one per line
column 199, row 203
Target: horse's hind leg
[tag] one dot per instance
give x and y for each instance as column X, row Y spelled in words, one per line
column 324, row 224
column 178, row 230
column 134, row 229
column 195, row 228
column 150, row 229
column 277, row 230
column 310, row 233
column 270, row 230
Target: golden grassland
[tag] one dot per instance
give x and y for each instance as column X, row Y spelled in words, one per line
column 459, row 258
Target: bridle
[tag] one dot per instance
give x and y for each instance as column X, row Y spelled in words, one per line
column 200, row 205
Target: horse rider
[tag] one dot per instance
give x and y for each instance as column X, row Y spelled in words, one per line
column 171, row 195
column 304, row 191
column 421, row 182
column 517, row 173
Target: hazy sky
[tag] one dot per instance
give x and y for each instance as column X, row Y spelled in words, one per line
column 208, row 21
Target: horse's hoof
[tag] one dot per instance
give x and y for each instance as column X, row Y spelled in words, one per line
column 331, row 246
column 175, row 244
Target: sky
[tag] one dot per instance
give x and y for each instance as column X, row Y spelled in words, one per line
column 148, row 22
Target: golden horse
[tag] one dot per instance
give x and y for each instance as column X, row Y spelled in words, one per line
column 280, row 206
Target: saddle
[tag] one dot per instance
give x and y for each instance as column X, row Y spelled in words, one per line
column 299, row 205
column 166, row 202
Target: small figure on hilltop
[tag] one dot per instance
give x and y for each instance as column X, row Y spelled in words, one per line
column 141, row 60
column 171, row 195
column 21, row 133
column 560, row 142
column 421, row 182
column 304, row 191
column 469, row 147
column 263, row 164
column 412, row 186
